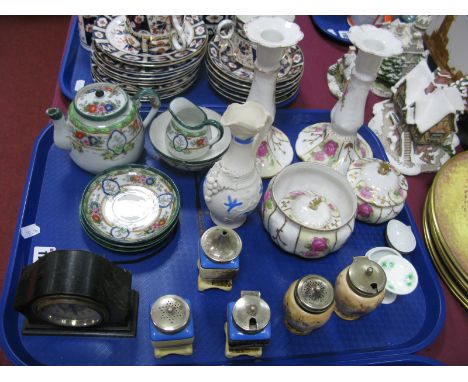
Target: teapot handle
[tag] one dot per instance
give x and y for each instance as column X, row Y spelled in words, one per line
column 154, row 101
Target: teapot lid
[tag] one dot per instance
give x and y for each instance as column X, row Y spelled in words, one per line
column 314, row 293
column 100, row 101
column 377, row 182
column 366, row 277
column 251, row 314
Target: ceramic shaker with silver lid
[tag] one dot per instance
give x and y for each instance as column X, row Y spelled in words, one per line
column 359, row 288
column 308, row 304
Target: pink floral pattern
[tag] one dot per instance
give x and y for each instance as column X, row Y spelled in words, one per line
column 364, row 210
column 319, row 156
column 262, row 149
column 330, row 148
column 365, row 192
column 317, row 247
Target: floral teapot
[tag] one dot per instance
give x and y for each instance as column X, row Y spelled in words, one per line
column 104, row 128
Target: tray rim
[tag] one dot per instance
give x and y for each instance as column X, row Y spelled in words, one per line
column 353, row 357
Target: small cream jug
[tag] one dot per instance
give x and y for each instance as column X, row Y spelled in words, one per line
column 189, row 132
column 104, row 128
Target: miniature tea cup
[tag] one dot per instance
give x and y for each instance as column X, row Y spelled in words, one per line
column 309, row 210
column 188, row 134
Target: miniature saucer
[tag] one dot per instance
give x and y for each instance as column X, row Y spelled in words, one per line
column 157, row 133
column 400, row 236
column 310, row 210
column 375, row 254
column 130, row 205
column 402, row 278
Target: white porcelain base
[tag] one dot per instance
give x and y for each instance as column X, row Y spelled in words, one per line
column 318, row 143
column 389, row 298
column 274, row 153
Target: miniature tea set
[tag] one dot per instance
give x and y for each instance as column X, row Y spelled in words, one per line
column 308, row 209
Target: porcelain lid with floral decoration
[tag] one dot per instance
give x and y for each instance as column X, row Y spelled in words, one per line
column 273, row 32
column 373, row 40
column 100, row 101
column 377, row 182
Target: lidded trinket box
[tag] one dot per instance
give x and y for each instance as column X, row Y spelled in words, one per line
column 171, row 326
column 248, row 326
column 359, row 288
column 308, row 304
column 381, row 189
column 218, row 258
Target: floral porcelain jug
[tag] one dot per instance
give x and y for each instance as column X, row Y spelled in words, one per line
column 104, row 128
column 233, row 186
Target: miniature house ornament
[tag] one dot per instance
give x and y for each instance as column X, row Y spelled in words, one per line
column 233, row 186
column 337, row 144
column 272, row 35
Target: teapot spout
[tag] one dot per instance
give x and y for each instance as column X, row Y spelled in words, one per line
column 61, row 131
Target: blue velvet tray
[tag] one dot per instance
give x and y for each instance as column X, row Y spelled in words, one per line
column 51, row 198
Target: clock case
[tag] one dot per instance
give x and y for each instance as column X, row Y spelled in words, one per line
column 81, row 275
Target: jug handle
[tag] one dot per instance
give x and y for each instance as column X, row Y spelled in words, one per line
column 184, row 33
column 154, row 101
column 219, row 127
column 225, row 30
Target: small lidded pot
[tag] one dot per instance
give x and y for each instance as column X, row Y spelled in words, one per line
column 308, row 304
column 381, row 189
column 359, row 288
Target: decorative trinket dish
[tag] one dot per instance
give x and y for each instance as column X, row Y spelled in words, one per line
column 402, row 278
column 130, row 208
column 380, row 189
column 400, row 236
column 327, row 209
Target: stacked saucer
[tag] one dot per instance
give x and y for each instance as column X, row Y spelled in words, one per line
column 445, row 225
column 157, row 134
column 230, row 67
column 120, row 56
column 130, row 208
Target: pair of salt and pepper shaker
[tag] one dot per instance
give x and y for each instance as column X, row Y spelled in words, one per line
column 309, row 302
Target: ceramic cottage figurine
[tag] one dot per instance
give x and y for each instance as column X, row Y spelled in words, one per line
column 337, row 144
column 418, row 125
column 233, row 186
column 104, row 128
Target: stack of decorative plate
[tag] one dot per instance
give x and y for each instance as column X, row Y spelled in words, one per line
column 130, row 208
column 230, row 67
column 118, row 57
column 445, row 224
